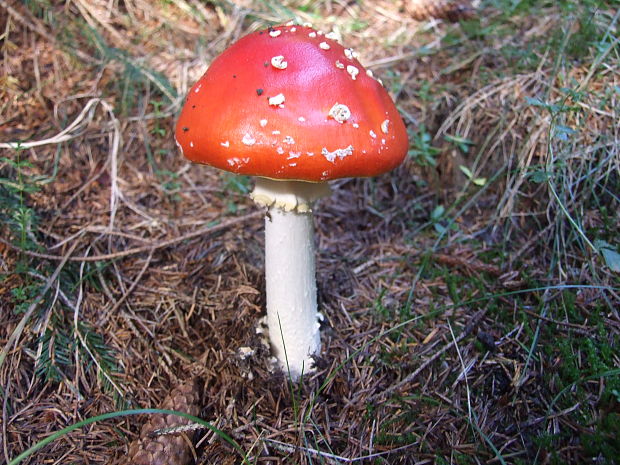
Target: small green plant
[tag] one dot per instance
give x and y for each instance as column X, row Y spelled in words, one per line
column 58, row 342
column 441, row 221
column 15, row 186
column 236, row 183
column 610, row 254
column 422, row 151
column 579, row 359
column 462, row 143
column 42, row 9
column 477, row 181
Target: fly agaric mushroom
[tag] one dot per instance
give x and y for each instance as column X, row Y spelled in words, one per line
column 295, row 108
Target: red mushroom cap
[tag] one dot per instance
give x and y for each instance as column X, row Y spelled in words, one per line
column 291, row 103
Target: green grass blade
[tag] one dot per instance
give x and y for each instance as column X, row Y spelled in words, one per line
column 123, row 413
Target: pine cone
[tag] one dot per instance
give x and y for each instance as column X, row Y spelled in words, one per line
column 171, row 448
column 451, row 10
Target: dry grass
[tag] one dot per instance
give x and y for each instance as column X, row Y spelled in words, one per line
column 469, row 333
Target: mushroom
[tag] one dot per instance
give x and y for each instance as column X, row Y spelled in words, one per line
column 284, row 107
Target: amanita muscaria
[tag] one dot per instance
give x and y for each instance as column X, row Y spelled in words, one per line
column 294, row 108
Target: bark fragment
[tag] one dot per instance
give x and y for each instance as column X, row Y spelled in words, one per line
column 450, row 10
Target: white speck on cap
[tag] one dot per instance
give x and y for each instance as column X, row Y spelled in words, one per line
column 340, row 112
column 324, row 46
column 356, row 126
column 301, row 119
column 197, row 89
column 372, row 134
column 225, row 144
column 333, row 36
column 289, row 140
column 280, row 150
column 353, row 71
column 369, row 73
column 290, row 23
column 275, row 33
column 338, row 153
column 339, row 65
column 191, row 144
column 275, row 133
column 277, row 100
column 248, row 139
column 236, row 161
column 349, row 53
column 312, row 34
column 292, row 155
column 278, row 62
column 293, row 29
column 385, row 126
column 263, row 123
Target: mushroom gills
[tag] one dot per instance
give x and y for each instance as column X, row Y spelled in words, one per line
column 288, row 195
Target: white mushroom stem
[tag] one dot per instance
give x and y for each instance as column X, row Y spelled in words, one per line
column 291, row 289
column 292, row 315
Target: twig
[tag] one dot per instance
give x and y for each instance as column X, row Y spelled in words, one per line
column 409, row 378
column 145, row 248
column 70, row 132
column 464, row 372
column 326, row 455
column 7, row 390
column 580, row 329
column 120, row 301
column 473, row 265
column 175, row 430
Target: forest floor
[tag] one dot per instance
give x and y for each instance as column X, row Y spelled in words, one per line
column 471, row 296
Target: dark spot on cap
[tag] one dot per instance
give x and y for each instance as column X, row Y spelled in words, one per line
column 185, row 129
column 266, row 64
column 193, row 106
column 234, row 76
column 259, row 91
